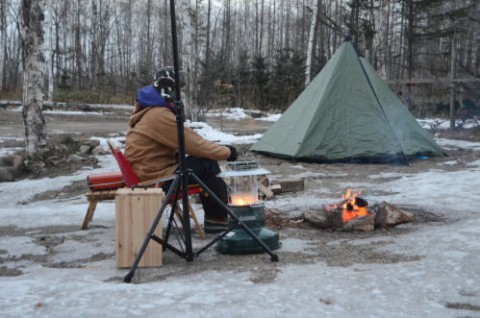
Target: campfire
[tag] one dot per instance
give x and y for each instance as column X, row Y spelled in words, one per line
column 354, row 214
column 352, row 206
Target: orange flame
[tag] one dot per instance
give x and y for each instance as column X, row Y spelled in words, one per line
column 351, row 208
column 242, row 199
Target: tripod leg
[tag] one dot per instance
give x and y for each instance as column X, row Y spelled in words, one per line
column 169, row 224
column 131, row 273
column 273, row 257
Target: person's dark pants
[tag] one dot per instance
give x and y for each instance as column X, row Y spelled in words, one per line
column 206, row 170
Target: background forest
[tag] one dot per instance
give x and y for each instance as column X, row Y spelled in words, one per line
column 247, row 53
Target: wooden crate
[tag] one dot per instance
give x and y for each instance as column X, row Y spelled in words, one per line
column 135, row 211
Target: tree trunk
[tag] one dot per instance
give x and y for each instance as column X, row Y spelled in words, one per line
column 196, row 61
column 271, row 29
column 78, row 49
column 353, row 24
column 50, row 51
column 4, row 48
column 260, row 42
column 308, row 66
column 378, row 50
column 453, row 90
column 410, row 62
column 94, row 44
column 34, row 65
column 386, row 69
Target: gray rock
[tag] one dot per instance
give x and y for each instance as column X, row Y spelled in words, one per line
column 61, row 147
column 85, row 149
column 99, row 151
column 17, row 161
column 6, row 174
column 75, row 158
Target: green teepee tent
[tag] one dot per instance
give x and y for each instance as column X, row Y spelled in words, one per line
column 347, row 113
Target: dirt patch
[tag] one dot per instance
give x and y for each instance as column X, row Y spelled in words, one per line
column 12, row 230
column 11, row 272
column 74, row 189
column 463, row 306
column 52, row 239
column 81, row 263
column 49, row 241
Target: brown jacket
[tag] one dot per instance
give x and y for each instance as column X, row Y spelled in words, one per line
column 151, row 144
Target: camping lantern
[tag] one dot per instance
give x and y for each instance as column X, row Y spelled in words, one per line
column 241, row 179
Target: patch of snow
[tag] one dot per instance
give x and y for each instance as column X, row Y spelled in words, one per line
column 273, row 117
column 454, row 144
column 207, row 132
column 229, row 113
column 9, row 151
column 71, row 112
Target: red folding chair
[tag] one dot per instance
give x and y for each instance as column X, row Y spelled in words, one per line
column 131, row 180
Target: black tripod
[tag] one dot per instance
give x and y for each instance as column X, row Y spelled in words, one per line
column 180, row 185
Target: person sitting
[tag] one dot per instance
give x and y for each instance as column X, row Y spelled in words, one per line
column 152, row 147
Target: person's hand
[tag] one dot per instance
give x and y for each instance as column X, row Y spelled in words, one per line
column 233, row 153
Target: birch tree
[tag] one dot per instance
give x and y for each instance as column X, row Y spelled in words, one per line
column 311, row 37
column 145, row 46
column 50, row 49
column 3, row 40
column 33, row 70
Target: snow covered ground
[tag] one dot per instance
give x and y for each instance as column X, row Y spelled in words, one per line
column 441, row 279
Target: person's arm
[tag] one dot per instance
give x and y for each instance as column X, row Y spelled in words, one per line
column 197, row 146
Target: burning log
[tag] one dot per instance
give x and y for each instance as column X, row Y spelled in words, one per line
column 388, row 215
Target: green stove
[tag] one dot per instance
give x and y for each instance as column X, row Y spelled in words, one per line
column 242, row 182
